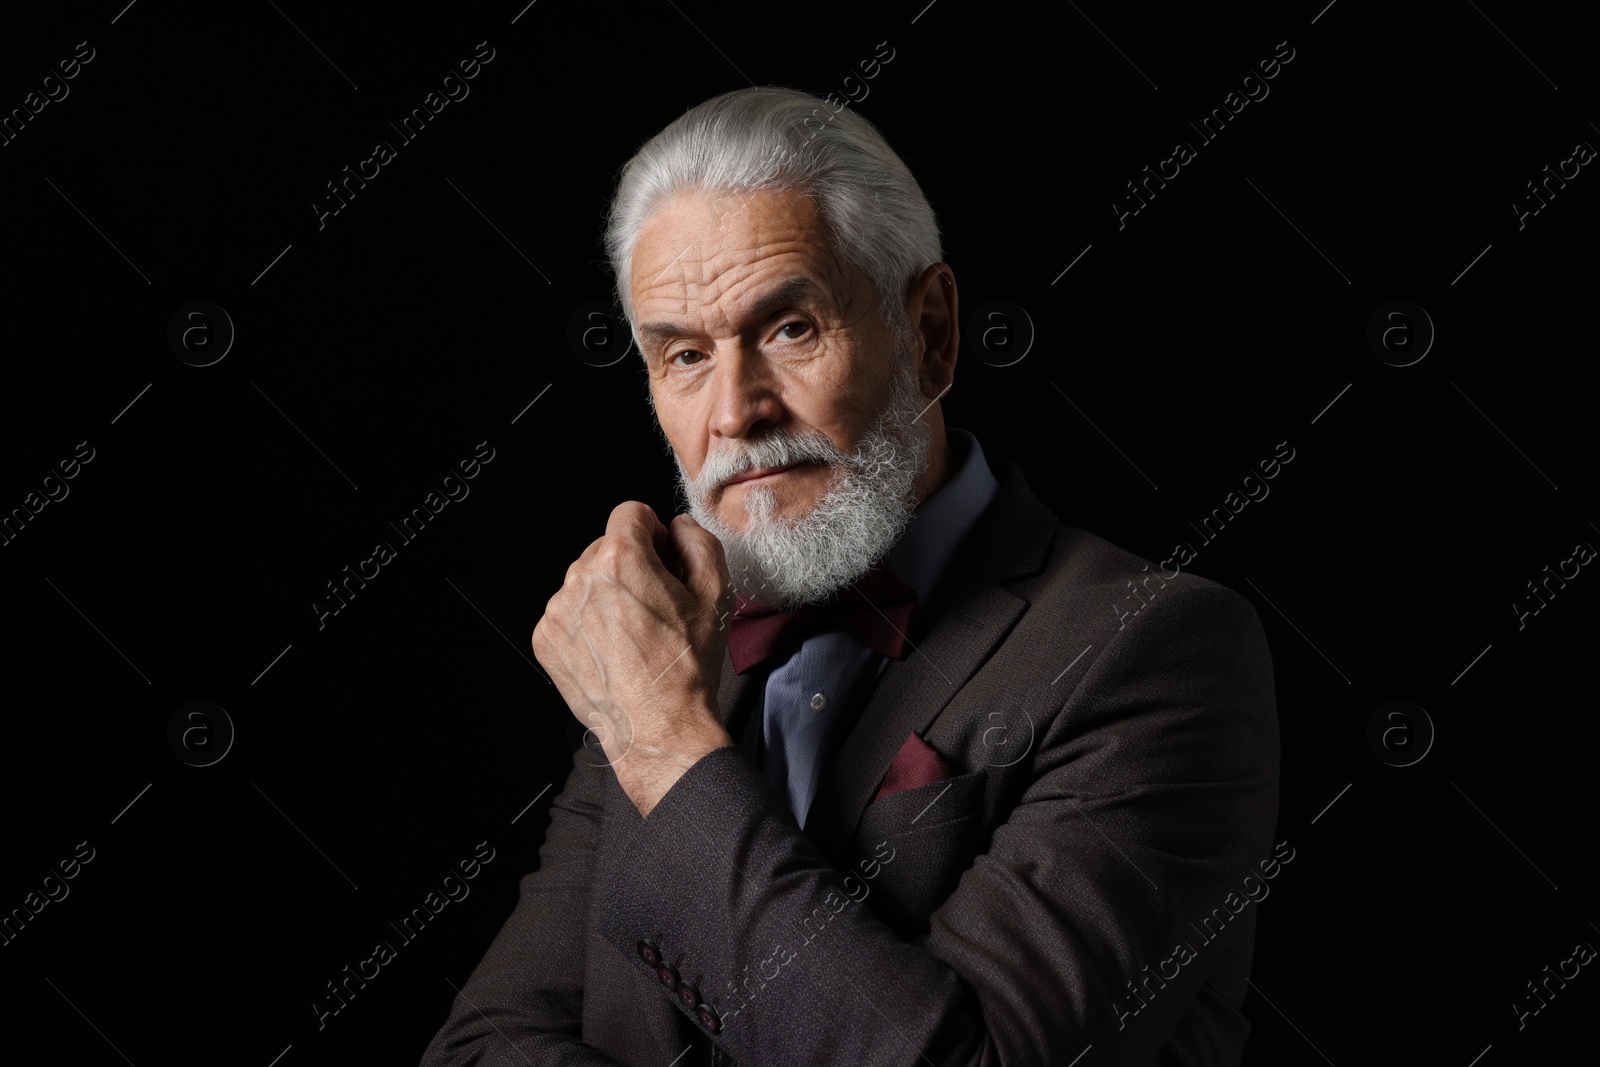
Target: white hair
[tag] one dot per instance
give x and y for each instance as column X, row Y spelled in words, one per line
column 771, row 137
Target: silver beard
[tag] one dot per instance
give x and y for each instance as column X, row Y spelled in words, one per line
column 782, row 564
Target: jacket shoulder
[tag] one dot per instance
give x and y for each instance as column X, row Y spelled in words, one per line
column 1068, row 573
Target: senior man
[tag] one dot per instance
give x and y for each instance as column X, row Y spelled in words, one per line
column 888, row 770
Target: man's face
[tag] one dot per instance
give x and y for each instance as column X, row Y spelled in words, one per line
column 766, row 350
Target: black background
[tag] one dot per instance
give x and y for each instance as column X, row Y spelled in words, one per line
column 379, row 349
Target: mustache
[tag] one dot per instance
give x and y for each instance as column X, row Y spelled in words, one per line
column 777, row 449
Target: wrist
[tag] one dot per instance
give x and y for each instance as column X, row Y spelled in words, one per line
column 648, row 771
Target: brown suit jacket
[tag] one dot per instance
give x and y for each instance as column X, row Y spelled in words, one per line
column 1076, row 885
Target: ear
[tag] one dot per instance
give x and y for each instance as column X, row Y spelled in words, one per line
column 932, row 310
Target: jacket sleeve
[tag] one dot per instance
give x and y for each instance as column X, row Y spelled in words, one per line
column 523, row 1005
column 1150, row 796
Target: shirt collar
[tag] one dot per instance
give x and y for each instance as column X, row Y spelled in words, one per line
column 922, row 555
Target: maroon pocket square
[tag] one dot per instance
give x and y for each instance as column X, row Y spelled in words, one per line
column 915, row 764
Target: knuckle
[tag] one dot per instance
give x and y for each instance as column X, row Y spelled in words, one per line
column 541, row 629
column 629, row 511
column 612, row 559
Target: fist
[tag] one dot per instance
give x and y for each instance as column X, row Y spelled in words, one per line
column 634, row 641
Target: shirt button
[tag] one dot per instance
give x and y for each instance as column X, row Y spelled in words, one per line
column 818, row 701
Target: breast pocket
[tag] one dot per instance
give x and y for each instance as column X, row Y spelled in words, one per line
column 917, row 843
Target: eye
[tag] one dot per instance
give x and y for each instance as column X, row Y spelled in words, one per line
column 802, row 327
column 687, row 352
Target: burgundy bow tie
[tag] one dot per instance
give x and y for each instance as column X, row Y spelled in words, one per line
column 877, row 611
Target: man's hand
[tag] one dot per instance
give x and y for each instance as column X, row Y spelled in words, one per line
column 637, row 649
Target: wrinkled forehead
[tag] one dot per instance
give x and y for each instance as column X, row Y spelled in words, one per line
column 697, row 248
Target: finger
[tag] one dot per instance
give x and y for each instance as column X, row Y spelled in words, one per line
column 635, row 526
column 705, row 565
column 666, row 547
column 635, row 522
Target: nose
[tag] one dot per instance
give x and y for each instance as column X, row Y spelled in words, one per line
column 745, row 393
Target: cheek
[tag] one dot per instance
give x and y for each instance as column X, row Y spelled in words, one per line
column 671, row 415
column 858, row 410
column 841, row 396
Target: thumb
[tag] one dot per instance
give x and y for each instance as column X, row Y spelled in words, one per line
column 705, row 569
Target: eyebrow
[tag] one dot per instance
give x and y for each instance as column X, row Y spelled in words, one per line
column 792, row 290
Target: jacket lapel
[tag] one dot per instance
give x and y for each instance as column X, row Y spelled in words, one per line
column 732, row 690
column 968, row 616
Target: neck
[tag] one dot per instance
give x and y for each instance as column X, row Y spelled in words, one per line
column 941, row 467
